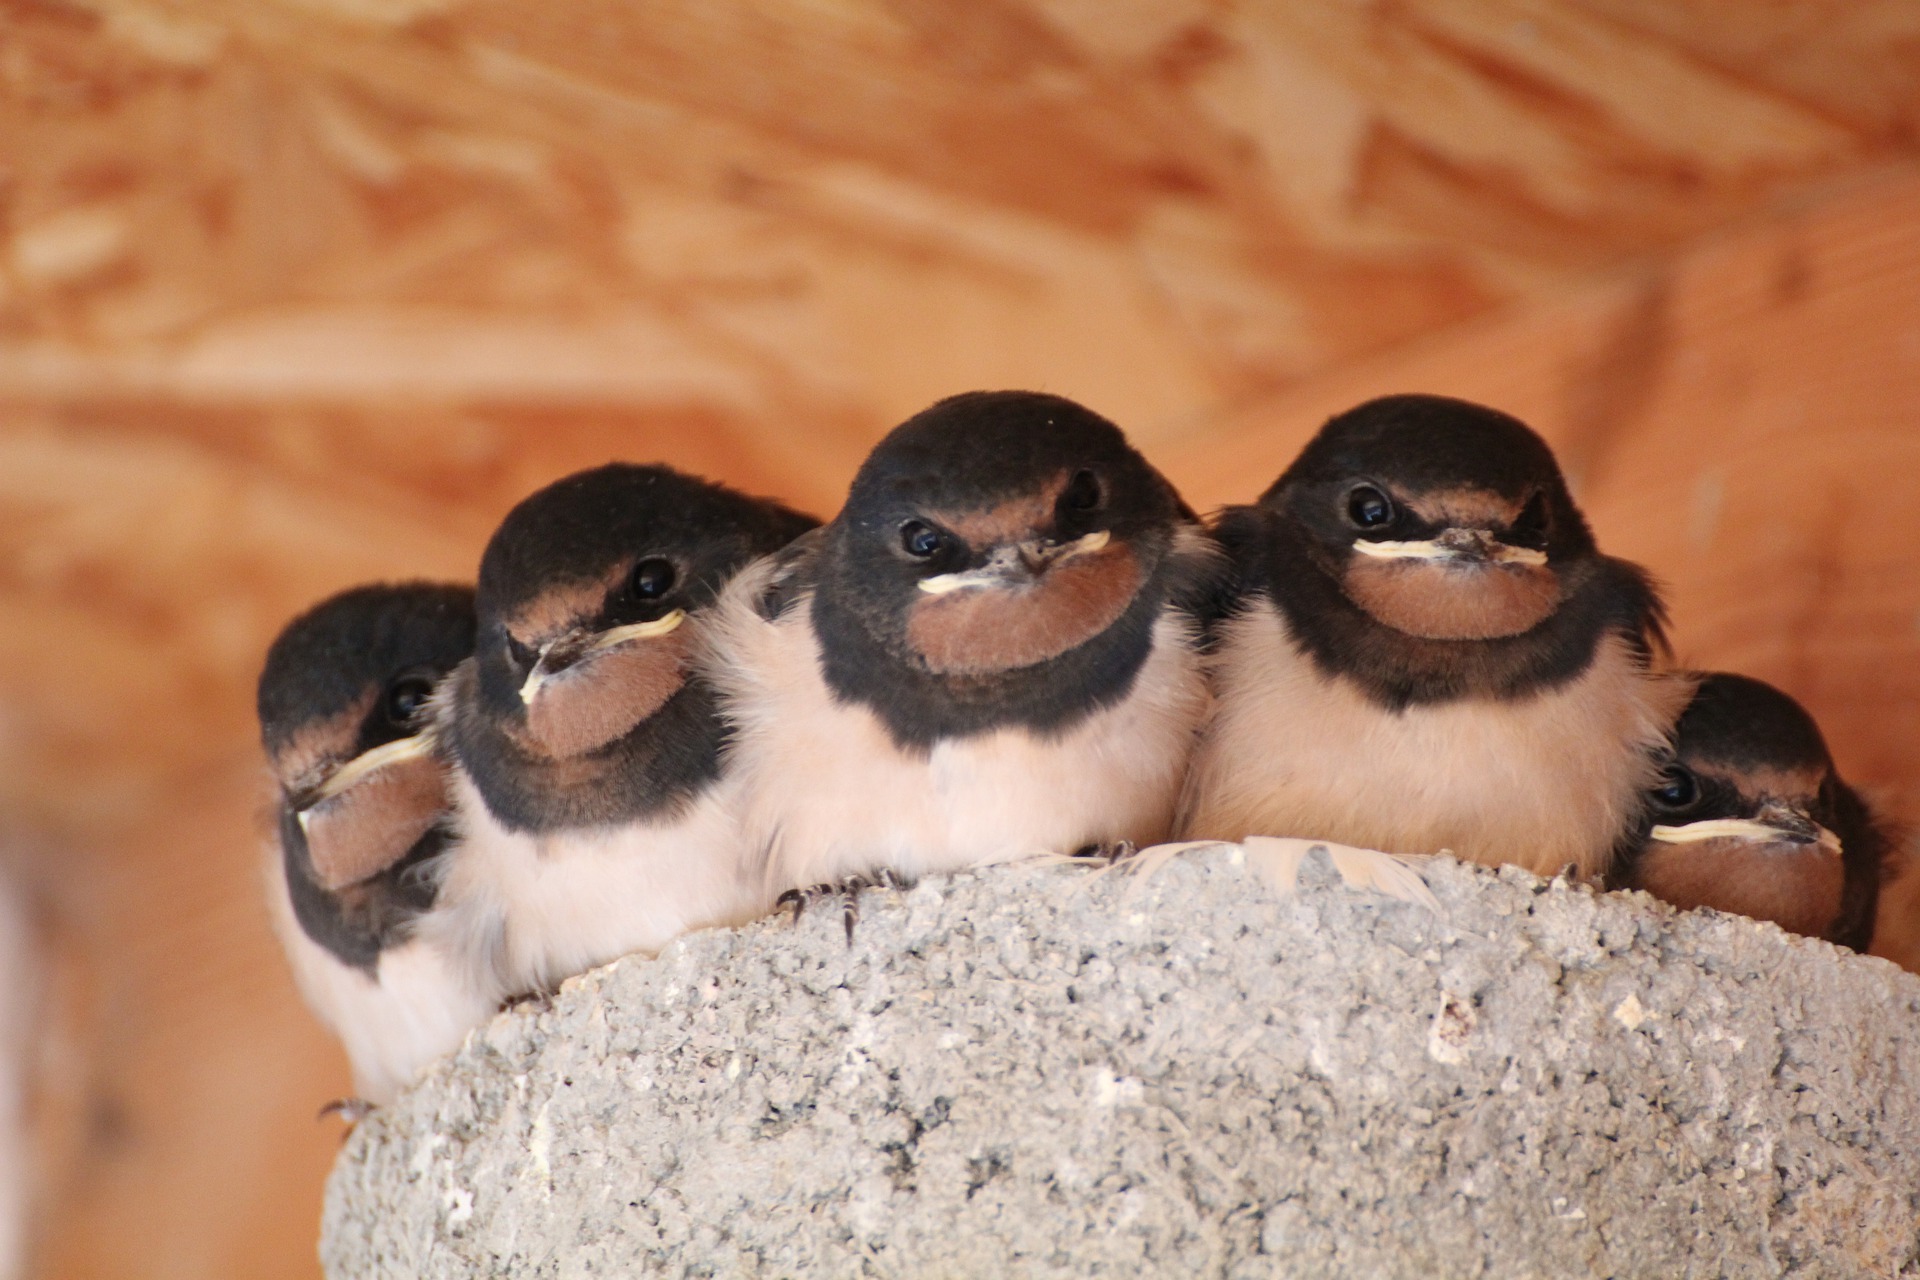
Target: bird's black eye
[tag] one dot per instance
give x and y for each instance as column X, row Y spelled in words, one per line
column 522, row 656
column 1533, row 525
column 652, row 578
column 406, row 694
column 920, row 540
column 1369, row 508
column 1083, row 492
column 1678, row 788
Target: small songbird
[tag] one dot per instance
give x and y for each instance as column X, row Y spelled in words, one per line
column 991, row 652
column 363, row 824
column 593, row 810
column 1750, row 816
column 1426, row 651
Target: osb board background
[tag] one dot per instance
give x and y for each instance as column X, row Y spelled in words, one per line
column 295, row 293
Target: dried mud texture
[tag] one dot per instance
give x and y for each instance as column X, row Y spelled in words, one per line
column 1040, row 1071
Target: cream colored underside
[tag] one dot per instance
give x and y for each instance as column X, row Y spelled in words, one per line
column 535, row 910
column 419, row 1008
column 1541, row 781
column 829, row 795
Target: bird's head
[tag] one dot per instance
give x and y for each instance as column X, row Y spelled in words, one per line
column 996, row 531
column 589, row 591
column 1437, row 518
column 1748, row 812
column 342, row 703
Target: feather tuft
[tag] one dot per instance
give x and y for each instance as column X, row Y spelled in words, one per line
column 1277, row 859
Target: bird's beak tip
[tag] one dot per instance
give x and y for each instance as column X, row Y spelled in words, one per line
column 611, row 638
column 1471, row 546
column 537, row 676
column 1016, row 563
column 1794, row 829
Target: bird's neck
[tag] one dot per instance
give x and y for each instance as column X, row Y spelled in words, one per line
column 648, row 774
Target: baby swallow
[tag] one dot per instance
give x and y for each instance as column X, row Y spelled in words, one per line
column 363, row 831
column 1427, row 652
column 991, row 652
column 589, row 779
column 1750, row 817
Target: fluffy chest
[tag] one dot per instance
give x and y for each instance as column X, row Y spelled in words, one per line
column 417, row 1005
column 1543, row 780
column 829, row 794
column 538, row 908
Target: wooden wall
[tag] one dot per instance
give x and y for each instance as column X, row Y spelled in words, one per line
column 297, row 293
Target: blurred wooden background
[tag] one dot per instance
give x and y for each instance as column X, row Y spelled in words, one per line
column 297, row 293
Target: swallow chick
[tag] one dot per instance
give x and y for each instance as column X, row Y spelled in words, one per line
column 363, row 831
column 1425, row 651
column 992, row 651
column 590, row 787
column 1750, row 816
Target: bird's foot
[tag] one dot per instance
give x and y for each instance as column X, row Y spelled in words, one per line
column 527, row 1002
column 1107, row 852
column 847, row 891
column 351, row 1110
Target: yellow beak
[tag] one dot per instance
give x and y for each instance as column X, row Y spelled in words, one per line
column 608, row 639
column 1001, row 570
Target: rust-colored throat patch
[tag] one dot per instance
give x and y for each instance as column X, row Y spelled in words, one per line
column 1798, row 887
column 372, row 811
column 1006, row 625
column 605, row 693
column 1446, row 599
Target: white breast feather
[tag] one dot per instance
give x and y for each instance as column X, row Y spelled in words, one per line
column 1540, row 781
column 535, row 910
column 827, row 794
column 418, row 1006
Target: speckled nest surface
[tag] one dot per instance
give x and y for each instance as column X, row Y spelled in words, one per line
column 1044, row 1071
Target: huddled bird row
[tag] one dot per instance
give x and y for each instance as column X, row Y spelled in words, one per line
column 667, row 705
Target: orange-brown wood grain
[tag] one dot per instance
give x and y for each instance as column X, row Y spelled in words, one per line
column 1172, row 205
column 298, row 293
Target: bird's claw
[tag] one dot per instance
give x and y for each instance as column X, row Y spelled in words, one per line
column 351, row 1110
column 534, row 1001
column 847, row 890
column 1107, row 852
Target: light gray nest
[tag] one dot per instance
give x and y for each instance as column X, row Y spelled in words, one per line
column 1036, row 1070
